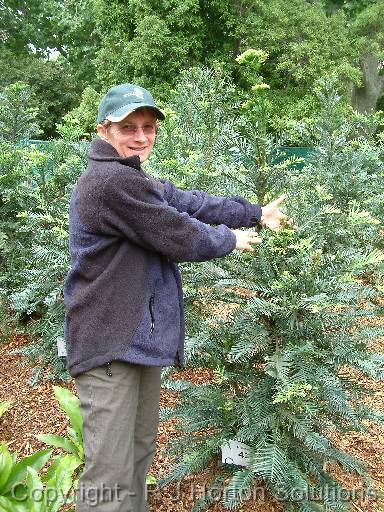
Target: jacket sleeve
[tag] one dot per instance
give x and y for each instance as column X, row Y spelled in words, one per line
column 234, row 212
column 137, row 210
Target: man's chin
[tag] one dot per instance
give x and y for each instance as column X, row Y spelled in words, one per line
column 140, row 155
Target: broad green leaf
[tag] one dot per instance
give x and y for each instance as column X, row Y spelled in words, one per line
column 77, row 440
column 66, row 466
column 57, row 442
column 10, row 505
column 74, row 436
column 19, row 471
column 52, row 468
column 19, row 492
column 35, row 491
column 62, row 481
column 5, row 465
column 71, row 406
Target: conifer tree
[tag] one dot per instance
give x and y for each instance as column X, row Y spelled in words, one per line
column 34, row 259
column 279, row 330
column 18, row 113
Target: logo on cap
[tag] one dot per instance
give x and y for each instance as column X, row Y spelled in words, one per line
column 136, row 92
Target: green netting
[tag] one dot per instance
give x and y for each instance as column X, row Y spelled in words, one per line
column 42, row 145
column 304, row 153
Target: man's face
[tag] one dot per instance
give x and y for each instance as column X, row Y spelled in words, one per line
column 133, row 136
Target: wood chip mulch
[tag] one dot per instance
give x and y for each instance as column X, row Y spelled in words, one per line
column 35, row 410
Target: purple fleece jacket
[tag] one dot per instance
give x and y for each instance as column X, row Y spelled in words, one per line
column 123, row 294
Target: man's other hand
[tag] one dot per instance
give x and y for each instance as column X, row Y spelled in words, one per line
column 245, row 240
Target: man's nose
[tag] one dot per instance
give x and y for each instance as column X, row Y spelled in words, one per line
column 140, row 135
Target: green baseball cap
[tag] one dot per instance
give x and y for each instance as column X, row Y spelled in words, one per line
column 123, row 99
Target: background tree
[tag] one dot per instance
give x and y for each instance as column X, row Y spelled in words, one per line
column 368, row 32
column 50, row 25
column 52, row 82
column 211, row 32
column 18, row 113
column 149, row 42
column 80, row 122
column 100, row 43
column 50, row 46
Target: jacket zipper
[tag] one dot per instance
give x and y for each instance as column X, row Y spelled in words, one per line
column 152, row 311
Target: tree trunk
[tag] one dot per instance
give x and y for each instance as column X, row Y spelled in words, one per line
column 364, row 98
column 239, row 39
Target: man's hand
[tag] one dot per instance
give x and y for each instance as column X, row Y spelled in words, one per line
column 273, row 218
column 245, row 239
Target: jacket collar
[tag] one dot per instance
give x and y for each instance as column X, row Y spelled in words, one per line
column 102, row 151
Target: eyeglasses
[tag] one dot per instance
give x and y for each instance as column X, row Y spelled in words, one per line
column 131, row 129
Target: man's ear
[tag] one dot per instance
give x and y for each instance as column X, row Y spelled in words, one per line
column 102, row 131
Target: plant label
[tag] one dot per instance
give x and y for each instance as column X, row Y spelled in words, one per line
column 234, row 452
column 61, row 348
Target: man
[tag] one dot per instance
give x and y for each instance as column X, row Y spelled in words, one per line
column 123, row 294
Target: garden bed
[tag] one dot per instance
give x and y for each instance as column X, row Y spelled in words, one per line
column 35, row 410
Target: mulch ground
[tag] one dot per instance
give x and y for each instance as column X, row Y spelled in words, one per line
column 34, row 411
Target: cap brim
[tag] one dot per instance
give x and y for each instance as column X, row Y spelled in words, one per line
column 122, row 112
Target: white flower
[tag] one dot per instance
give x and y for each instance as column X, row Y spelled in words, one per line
column 252, row 54
column 260, row 86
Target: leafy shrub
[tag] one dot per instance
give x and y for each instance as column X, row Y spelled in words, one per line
column 14, row 473
column 72, row 444
column 22, row 488
column 18, row 113
column 80, row 122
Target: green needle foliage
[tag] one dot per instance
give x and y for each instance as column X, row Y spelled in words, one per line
column 281, row 330
column 284, row 364
column 18, row 113
column 34, row 259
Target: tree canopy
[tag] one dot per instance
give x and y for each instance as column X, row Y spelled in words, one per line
column 69, row 45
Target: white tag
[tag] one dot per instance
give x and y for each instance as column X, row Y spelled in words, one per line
column 61, row 348
column 234, row 452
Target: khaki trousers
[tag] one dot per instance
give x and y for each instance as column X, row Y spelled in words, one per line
column 121, row 415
